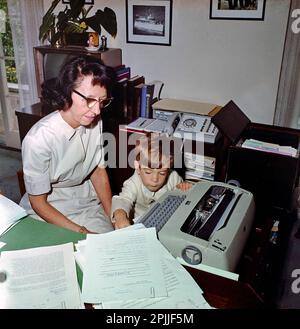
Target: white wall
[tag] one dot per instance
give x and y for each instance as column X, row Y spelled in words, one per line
column 212, row 60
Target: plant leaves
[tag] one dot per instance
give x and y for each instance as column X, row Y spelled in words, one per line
column 73, row 27
column 47, row 25
column 106, row 18
column 62, row 21
column 110, row 22
column 76, row 7
column 48, row 21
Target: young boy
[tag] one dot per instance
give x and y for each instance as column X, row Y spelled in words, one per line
column 152, row 178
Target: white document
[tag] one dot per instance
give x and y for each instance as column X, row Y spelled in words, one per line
column 10, row 213
column 39, row 278
column 122, row 265
column 2, row 244
column 183, row 291
column 269, row 147
column 81, row 245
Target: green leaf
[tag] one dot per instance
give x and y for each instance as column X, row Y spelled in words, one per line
column 48, row 21
column 47, row 25
column 62, row 20
column 110, row 21
column 76, row 7
column 106, row 18
column 73, row 27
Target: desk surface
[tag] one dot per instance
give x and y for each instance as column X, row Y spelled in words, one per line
column 219, row 292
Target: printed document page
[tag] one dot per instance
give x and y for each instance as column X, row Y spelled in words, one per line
column 123, row 265
column 10, row 212
column 81, row 245
column 39, row 278
column 183, row 291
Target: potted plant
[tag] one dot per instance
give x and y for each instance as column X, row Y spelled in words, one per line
column 74, row 19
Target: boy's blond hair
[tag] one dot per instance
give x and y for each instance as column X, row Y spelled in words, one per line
column 155, row 151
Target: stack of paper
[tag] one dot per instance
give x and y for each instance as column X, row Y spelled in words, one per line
column 10, row 213
column 269, row 147
column 39, row 278
column 130, row 268
column 199, row 166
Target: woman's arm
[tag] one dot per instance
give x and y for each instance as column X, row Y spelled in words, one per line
column 101, row 184
column 51, row 215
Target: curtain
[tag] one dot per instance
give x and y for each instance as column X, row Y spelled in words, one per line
column 25, row 19
column 287, row 111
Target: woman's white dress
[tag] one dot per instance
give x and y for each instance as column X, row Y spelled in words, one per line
column 58, row 160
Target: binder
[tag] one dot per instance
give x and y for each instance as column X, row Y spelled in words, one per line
column 131, row 83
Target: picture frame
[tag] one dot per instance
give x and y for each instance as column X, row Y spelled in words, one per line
column 237, row 9
column 86, row 2
column 149, row 22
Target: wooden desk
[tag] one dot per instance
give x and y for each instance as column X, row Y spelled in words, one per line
column 219, row 292
column 224, row 293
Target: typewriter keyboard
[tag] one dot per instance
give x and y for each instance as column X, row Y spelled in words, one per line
column 160, row 213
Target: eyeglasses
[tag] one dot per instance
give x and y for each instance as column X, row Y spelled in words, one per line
column 90, row 102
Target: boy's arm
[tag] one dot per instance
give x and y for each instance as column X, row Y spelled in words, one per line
column 123, row 203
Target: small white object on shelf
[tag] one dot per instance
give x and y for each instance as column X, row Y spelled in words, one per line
column 92, row 48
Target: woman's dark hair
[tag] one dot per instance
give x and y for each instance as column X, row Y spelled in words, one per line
column 56, row 92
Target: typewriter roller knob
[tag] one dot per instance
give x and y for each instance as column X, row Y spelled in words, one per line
column 192, row 255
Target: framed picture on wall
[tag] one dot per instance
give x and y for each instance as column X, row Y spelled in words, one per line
column 149, row 22
column 237, row 9
column 86, row 2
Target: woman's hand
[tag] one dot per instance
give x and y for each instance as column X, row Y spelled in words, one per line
column 84, row 230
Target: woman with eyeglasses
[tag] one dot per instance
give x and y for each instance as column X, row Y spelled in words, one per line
column 63, row 158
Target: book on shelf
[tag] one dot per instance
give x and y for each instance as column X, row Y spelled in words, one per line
column 143, row 101
column 147, row 100
column 131, row 83
column 118, row 108
column 124, row 72
column 137, row 100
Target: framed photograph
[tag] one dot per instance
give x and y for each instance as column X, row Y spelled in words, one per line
column 149, row 22
column 237, row 9
column 86, row 2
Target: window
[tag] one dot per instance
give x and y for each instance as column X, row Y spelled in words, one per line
column 9, row 98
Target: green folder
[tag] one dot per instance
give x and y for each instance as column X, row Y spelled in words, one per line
column 32, row 233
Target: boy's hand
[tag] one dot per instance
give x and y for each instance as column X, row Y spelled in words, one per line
column 184, row 186
column 120, row 219
column 121, row 223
